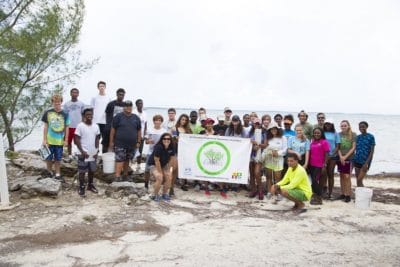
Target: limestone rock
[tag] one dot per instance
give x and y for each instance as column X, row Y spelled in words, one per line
column 122, row 189
column 29, row 162
column 43, row 187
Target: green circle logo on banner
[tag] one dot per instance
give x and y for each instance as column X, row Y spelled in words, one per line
column 213, row 158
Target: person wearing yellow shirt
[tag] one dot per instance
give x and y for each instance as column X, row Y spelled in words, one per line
column 295, row 186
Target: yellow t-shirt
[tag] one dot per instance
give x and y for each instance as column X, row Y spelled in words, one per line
column 296, row 179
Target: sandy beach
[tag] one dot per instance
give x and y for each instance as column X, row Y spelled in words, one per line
column 195, row 230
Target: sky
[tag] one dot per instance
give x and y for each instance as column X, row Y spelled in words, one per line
column 331, row 56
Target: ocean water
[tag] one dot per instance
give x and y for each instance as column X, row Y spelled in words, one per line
column 383, row 127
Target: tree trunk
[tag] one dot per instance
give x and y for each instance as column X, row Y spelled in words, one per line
column 8, row 130
column 10, row 138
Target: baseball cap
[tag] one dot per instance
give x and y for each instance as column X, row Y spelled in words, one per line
column 209, row 120
column 236, row 118
column 272, row 125
column 227, row 109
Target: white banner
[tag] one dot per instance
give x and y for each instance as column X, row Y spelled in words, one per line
column 214, row 158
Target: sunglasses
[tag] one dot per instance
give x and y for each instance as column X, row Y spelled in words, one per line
column 169, row 139
column 321, row 118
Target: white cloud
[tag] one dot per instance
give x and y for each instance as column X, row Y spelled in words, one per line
column 337, row 56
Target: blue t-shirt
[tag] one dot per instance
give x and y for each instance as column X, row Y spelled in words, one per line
column 288, row 133
column 333, row 139
column 364, row 145
column 299, row 145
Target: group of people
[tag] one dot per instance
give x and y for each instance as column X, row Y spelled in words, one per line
column 288, row 158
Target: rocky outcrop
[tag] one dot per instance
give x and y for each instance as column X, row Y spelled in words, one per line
column 122, row 189
column 27, row 171
column 35, row 186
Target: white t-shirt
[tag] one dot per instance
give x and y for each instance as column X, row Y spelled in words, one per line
column 143, row 118
column 88, row 135
column 154, row 134
column 247, row 130
column 169, row 125
column 99, row 104
column 74, row 110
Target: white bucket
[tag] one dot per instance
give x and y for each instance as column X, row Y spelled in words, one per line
column 363, row 197
column 108, row 162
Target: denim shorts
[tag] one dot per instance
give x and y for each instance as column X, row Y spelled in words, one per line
column 86, row 166
column 56, row 153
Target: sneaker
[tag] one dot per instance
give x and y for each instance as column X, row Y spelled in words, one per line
column 81, row 191
column 279, row 197
column 207, row 192
column 235, row 189
column 127, row 178
column 59, row 178
column 156, row 198
column 269, row 195
column 47, row 174
column 197, row 188
column 165, row 197
column 260, row 195
column 253, row 194
column 340, row 197
column 92, row 188
column 184, row 187
column 223, row 194
column 347, row 199
column 118, row 179
column 210, row 187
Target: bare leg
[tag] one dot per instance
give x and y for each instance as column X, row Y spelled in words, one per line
column 69, row 149
column 269, row 180
column 342, row 183
column 167, row 181
column 126, row 167
column 257, row 175
column 297, row 203
column 360, row 174
column 277, row 176
column 347, row 188
column 330, row 175
column 159, row 178
column 252, row 177
column 118, row 168
column 146, row 179
column 49, row 165
column 57, row 167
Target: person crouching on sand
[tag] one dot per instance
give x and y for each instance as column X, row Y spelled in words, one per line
column 161, row 162
column 295, row 186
